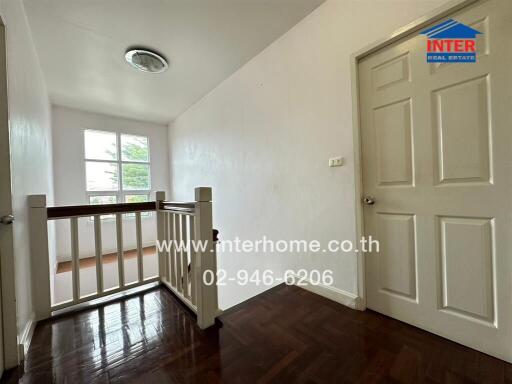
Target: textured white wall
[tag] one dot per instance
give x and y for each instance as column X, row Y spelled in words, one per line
column 30, row 143
column 69, row 170
column 263, row 137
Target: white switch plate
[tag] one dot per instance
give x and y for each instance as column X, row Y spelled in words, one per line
column 335, row 161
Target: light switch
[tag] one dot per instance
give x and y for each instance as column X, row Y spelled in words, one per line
column 335, row 161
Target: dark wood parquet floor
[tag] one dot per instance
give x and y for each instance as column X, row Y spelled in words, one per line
column 286, row 335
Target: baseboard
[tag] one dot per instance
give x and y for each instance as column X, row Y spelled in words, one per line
column 26, row 337
column 348, row 299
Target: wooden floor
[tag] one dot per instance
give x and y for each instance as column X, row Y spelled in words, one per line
column 287, row 335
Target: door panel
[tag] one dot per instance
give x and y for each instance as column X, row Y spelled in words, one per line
column 469, row 243
column 461, row 118
column 391, row 72
column 437, row 157
column 397, row 266
column 393, row 131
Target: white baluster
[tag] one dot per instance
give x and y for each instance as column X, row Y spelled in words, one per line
column 172, row 250
column 75, row 259
column 179, row 268
column 160, row 229
column 184, row 255
column 176, row 261
column 138, row 235
column 98, row 253
column 120, row 257
column 193, row 256
column 168, row 230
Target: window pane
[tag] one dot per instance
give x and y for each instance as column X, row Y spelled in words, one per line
column 136, row 198
column 101, row 176
column 136, row 177
column 134, row 148
column 99, row 200
column 100, row 145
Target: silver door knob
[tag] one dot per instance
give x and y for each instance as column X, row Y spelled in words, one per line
column 368, row 200
column 7, row 219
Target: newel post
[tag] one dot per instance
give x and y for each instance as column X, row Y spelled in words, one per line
column 160, row 231
column 40, row 257
column 207, row 302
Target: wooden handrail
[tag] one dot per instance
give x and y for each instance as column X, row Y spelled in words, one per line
column 100, row 209
column 174, row 205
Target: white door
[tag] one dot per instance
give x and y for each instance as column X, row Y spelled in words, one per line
column 2, row 366
column 437, row 158
column 8, row 331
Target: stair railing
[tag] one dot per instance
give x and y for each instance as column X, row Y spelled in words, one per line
column 181, row 266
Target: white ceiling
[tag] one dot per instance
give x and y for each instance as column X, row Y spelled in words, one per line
column 81, row 46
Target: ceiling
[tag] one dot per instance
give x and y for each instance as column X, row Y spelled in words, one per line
column 81, row 46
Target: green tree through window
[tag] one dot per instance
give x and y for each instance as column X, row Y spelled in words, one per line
column 135, row 149
column 135, row 177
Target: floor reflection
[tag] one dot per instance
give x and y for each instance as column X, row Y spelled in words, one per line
column 105, row 343
column 284, row 335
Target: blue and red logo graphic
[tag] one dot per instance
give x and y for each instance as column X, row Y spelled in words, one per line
column 451, row 42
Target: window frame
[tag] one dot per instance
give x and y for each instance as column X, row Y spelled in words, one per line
column 120, row 193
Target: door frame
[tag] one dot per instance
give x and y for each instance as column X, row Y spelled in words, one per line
column 409, row 29
column 7, row 278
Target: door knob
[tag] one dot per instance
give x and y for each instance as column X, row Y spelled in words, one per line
column 7, row 219
column 368, row 200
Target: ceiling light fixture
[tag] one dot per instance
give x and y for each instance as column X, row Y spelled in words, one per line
column 146, row 61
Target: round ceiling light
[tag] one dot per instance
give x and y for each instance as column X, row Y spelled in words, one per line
column 146, row 61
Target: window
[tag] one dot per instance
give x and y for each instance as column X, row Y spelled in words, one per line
column 117, row 167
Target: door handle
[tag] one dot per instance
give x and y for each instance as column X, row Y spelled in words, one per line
column 7, row 219
column 368, row 200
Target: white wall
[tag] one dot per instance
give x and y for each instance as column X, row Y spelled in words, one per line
column 30, row 143
column 263, row 137
column 69, row 171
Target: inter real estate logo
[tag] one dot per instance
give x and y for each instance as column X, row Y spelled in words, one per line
column 451, row 42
